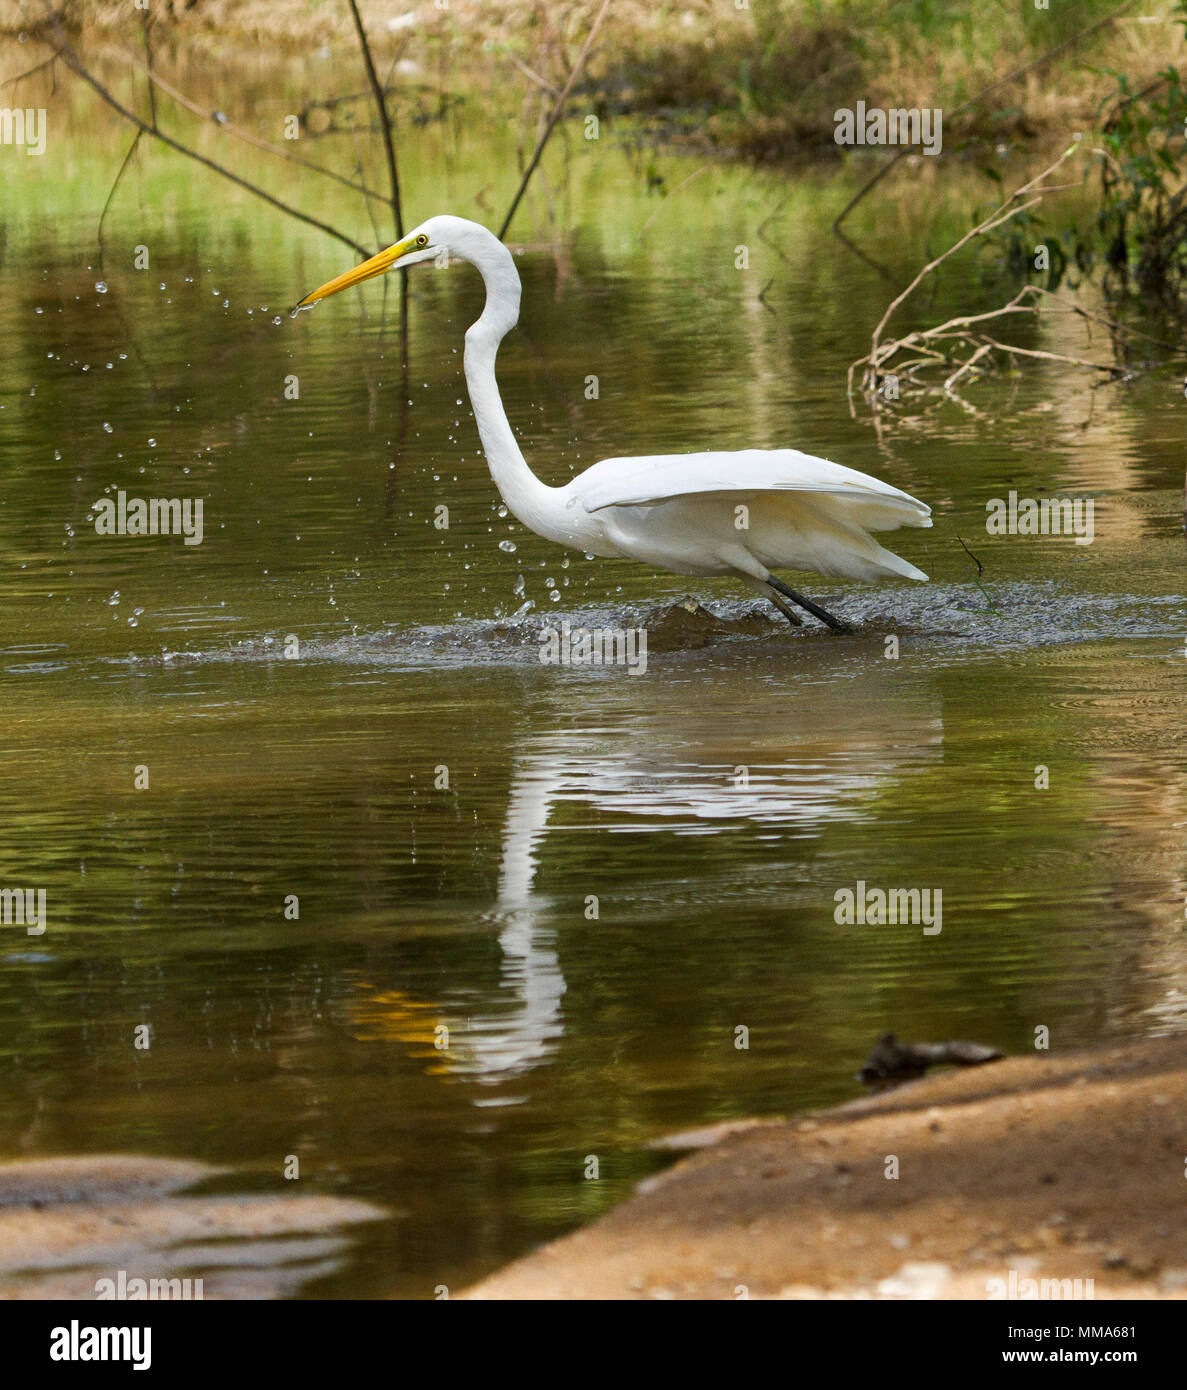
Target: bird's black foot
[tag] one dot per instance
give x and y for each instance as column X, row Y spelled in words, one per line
column 817, row 612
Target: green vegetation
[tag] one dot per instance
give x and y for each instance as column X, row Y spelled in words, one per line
column 766, row 82
column 1142, row 222
column 1136, row 226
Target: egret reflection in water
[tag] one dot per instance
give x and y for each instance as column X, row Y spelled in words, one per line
column 823, row 761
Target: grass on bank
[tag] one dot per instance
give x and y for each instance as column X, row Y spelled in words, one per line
column 762, row 80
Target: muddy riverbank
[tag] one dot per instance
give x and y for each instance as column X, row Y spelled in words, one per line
column 1067, row 1170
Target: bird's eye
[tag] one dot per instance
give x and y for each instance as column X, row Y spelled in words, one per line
column 422, row 240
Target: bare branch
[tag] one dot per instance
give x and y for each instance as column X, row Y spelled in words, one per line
column 556, row 115
column 72, row 61
column 384, row 119
column 1003, row 213
column 534, row 76
column 111, row 194
column 225, row 123
column 960, row 346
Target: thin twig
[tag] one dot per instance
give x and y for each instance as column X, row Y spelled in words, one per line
column 556, row 115
column 384, row 119
column 531, row 73
column 71, row 59
column 958, row 345
column 1006, row 210
column 111, row 194
column 225, row 123
column 146, row 23
column 29, row 72
column 980, row 572
column 657, row 210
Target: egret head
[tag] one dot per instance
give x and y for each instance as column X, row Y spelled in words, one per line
column 440, row 239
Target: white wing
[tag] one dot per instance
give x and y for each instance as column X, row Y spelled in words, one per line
column 628, row 482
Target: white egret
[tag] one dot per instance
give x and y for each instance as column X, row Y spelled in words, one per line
column 739, row 513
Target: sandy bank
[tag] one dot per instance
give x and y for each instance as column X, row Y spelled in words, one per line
column 1047, row 1167
column 71, row 1227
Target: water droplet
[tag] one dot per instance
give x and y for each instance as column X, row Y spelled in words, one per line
column 508, row 546
column 101, row 286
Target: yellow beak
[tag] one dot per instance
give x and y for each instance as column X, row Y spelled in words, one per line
column 384, row 261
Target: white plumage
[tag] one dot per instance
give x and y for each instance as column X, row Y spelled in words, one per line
column 743, row 513
column 800, row 512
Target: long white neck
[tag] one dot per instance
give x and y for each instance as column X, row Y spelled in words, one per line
column 539, row 507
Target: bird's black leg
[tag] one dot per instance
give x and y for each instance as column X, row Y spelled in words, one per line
column 835, row 623
column 783, row 606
